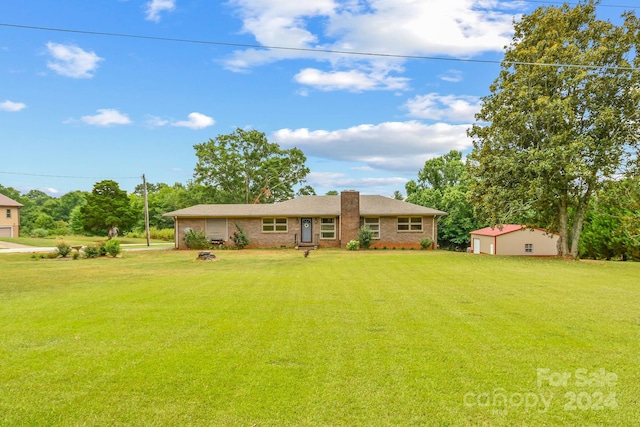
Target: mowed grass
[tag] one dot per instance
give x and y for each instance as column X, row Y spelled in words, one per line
column 270, row 338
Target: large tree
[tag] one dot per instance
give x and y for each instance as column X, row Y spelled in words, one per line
column 244, row 167
column 612, row 223
column 107, row 208
column 443, row 184
column 562, row 116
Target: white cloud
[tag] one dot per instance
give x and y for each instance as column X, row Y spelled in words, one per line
column 107, row 117
column 339, row 181
column 463, row 28
column 155, row 7
column 12, row 106
column 154, row 121
column 456, row 108
column 452, row 76
column 51, row 191
column 195, row 121
column 353, row 80
column 72, row 61
column 394, row 146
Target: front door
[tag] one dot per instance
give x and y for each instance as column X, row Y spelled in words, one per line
column 306, row 230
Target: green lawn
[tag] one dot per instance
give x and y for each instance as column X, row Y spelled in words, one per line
column 270, row 338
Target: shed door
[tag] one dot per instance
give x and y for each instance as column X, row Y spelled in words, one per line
column 306, row 230
column 476, row 246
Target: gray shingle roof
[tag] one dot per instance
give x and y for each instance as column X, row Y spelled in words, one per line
column 307, row 205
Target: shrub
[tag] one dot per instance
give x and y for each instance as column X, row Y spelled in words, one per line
column 353, row 245
column 75, row 255
column 112, row 247
column 240, row 237
column 63, row 249
column 425, row 243
column 39, row 232
column 196, row 239
column 365, row 236
column 91, row 251
column 166, row 234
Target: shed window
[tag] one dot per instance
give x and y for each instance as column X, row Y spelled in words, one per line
column 274, row 225
column 409, row 223
column 327, row 228
column 528, row 247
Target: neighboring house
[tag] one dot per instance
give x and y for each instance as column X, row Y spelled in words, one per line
column 514, row 239
column 9, row 217
column 314, row 221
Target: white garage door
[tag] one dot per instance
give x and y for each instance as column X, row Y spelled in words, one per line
column 5, row 232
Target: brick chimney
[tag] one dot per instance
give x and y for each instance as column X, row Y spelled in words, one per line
column 349, row 216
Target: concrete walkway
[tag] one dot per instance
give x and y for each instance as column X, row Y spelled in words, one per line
column 7, row 247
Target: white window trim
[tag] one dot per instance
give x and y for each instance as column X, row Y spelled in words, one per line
column 528, row 248
column 274, row 223
column 409, row 223
column 333, row 224
column 376, row 233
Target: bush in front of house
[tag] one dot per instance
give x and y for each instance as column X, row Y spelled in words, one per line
column 91, row 251
column 240, row 238
column 425, row 243
column 196, row 239
column 353, row 245
column 112, row 247
column 365, row 236
column 63, row 249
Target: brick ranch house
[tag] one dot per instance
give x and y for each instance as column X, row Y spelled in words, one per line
column 9, row 217
column 514, row 239
column 313, row 221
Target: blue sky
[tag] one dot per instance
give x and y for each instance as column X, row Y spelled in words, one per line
column 77, row 108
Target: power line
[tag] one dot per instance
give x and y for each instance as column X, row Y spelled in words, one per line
column 68, row 176
column 313, row 50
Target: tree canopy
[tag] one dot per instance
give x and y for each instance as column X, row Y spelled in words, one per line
column 443, row 184
column 561, row 118
column 244, row 167
column 107, row 207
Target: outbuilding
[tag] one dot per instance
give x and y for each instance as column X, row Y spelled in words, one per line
column 9, row 217
column 514, row 239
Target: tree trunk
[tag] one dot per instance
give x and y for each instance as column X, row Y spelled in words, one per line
column 578, row 221
column 563, row 228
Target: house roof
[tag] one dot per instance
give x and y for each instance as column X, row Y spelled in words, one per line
column 307, row 205
column 495, row 231
column 5, row 201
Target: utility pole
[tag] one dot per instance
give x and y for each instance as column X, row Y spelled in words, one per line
column 146, row 209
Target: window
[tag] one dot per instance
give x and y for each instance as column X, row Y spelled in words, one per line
column 409, row 223
column 327, row 228
column 8, row 213
column 528, row 247
column 374, row 225
column 274, row 225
